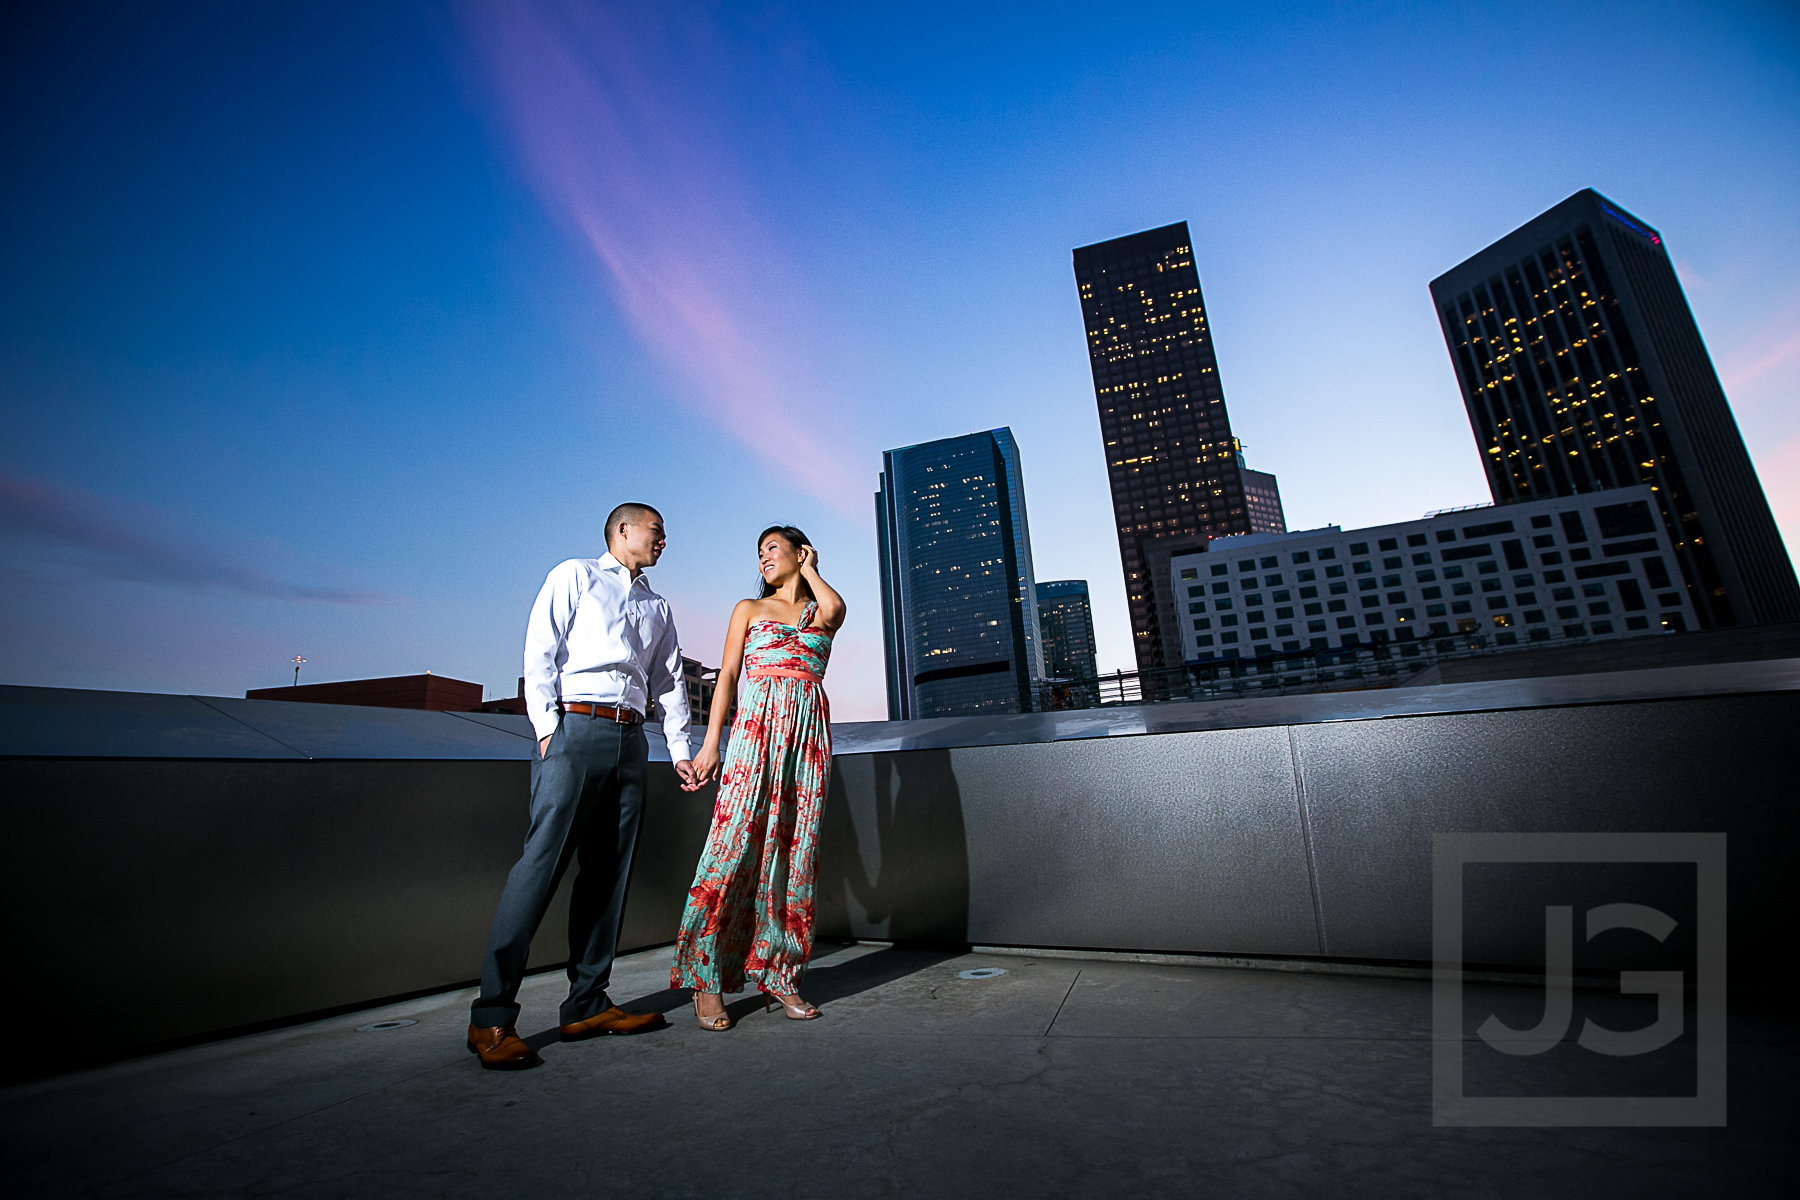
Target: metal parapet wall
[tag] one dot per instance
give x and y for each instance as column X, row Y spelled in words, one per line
column 1300, row 840
column 192, row 865
column 187, row 866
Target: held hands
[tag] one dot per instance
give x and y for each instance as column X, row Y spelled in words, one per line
column 700, row 772
column 694, row 775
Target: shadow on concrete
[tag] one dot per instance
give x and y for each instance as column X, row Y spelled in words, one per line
column 821, row 985
column 869, row 971
column 917, row 888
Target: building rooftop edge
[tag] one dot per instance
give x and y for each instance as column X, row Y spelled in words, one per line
column 1264, row 539
column 1125, row 237
column 1528, row 233
column 1006, row 429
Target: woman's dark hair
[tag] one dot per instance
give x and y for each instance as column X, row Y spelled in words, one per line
column 794, row 538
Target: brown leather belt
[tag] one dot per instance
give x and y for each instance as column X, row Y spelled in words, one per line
column 623, row 716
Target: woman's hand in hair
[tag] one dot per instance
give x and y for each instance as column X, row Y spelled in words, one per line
column 830, row 613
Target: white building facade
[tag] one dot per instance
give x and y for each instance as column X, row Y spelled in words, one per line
column 1583, row 567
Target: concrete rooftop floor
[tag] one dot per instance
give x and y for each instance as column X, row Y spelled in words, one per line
column 1060, row 1077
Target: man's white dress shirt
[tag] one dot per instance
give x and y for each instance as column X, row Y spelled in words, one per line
column 599, row 636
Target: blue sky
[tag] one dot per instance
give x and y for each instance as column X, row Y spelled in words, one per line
column 328, row 330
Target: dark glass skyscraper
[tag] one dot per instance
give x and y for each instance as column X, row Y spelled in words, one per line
column 958, row 600
column 1582, row 369
column 1262, row 500
column 1169, row 452
column 1067, row 622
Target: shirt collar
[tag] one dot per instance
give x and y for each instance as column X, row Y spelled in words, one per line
column 609, row 563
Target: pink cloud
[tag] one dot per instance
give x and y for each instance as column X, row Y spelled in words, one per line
column 98, row 537
column 1780, row 474
column 1767, row 358
column 602, row 119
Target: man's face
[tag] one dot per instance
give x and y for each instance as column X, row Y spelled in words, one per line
column 638, row 544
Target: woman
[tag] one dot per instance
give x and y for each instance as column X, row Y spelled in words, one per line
column 750, row 912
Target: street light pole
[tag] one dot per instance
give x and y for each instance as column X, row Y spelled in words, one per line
column 297, row 661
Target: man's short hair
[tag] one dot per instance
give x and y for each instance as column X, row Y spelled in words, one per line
column 628, row 514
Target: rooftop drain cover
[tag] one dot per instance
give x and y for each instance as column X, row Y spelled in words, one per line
column 981, row 973
column 378, row 1026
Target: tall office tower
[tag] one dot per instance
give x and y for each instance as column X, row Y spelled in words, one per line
column 1582, row 370
column 958, row 599
column 1067, row 622
column 1262, row 498
column 1169, row 452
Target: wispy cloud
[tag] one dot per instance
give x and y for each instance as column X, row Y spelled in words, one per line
column 1760, row 360
column 599, row 105
column 1780, row 473
column 97, row 537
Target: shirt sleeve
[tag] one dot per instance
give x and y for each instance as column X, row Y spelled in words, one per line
column 545, row 635
column 669, row 684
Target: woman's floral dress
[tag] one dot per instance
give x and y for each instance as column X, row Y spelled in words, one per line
column 750, row 912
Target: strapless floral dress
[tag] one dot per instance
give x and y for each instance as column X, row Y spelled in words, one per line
column 749, row 915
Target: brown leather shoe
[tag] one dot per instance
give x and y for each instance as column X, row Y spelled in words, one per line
column 500, row 1048
column 613, row 1020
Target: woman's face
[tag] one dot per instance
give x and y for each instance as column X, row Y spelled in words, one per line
column 776, row 558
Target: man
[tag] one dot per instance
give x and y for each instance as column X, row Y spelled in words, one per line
column 600, row 644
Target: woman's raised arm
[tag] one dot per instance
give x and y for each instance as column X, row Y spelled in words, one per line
column 831, row 605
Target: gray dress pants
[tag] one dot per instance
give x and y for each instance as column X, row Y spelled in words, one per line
column 587, row 794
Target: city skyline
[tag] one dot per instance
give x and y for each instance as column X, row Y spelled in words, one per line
column 328, row 332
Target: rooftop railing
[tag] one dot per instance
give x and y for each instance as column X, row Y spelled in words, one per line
column 1293, row 672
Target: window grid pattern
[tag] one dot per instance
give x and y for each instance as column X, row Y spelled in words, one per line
column 1595, row 568
column 1067, row 620
column 1262, row 501
column 959, row 575
column 1561, row 402
column 1171, row 460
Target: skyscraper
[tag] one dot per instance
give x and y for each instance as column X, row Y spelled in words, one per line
column 1582, row 370
column 1170, row 456
column 1262, row 500
column 1067, row 622
column 958, row 599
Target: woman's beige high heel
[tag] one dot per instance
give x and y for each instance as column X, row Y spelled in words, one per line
column 717, row 1023
column 795, row 1012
